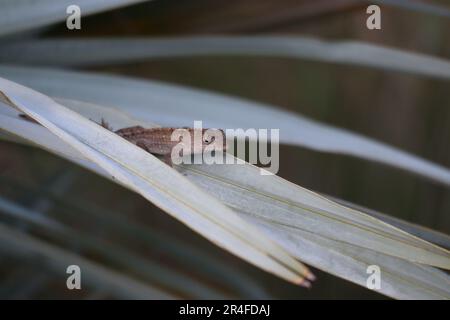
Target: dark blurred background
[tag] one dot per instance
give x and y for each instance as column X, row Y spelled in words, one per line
column 406, row 111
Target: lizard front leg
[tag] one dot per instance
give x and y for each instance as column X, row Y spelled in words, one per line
column 168, row 159
column 149, row 147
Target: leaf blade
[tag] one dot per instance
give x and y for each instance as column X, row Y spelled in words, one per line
column 339, row 258
column 22, row 15
column 143, row 173
column 172, row 105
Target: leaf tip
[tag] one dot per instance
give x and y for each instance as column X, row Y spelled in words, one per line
column 306, row 280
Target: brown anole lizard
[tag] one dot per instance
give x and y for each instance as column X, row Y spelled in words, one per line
column 158, row 141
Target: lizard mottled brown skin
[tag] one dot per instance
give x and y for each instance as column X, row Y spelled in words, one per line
column 158, row 140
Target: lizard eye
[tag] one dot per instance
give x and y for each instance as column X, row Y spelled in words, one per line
column 210, row 140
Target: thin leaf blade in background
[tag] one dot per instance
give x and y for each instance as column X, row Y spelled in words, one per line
column 23, row 15
column 106, row 51
column 56, row 259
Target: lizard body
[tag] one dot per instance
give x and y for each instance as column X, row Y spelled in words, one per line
column 158, row 141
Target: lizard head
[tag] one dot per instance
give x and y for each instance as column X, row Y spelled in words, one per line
column 214, row 139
